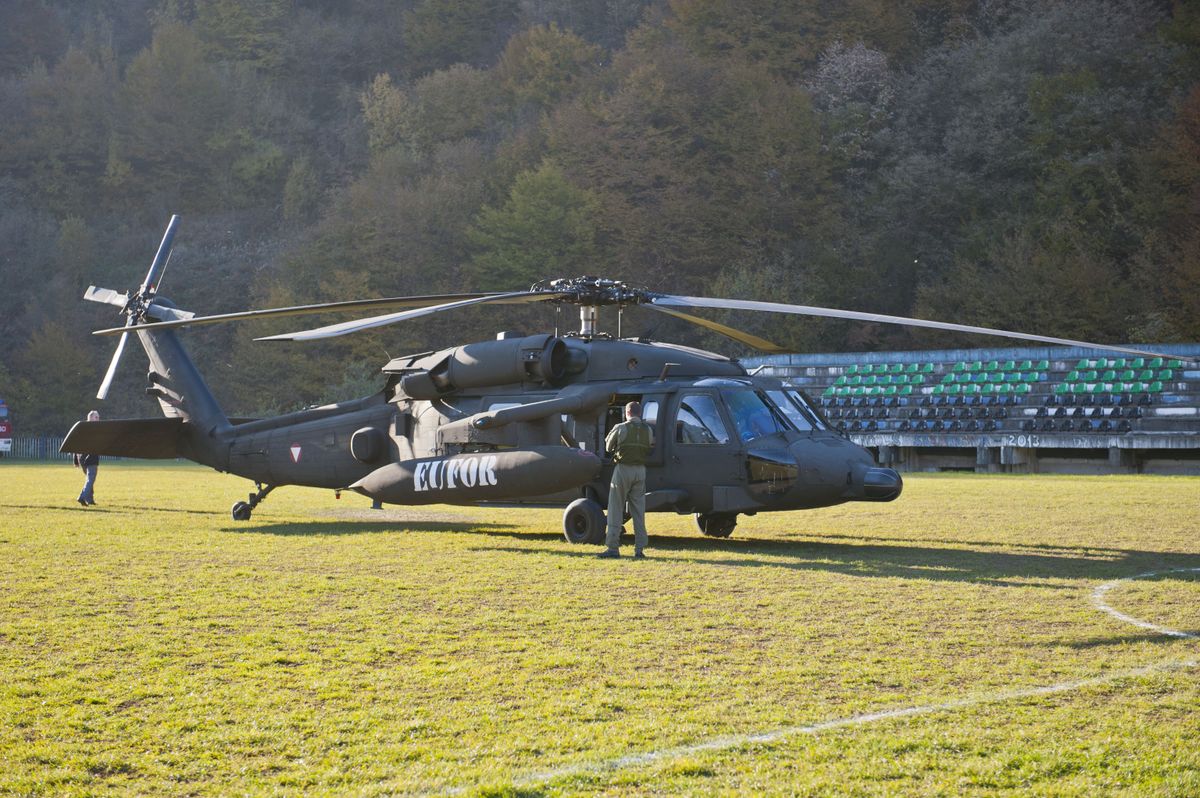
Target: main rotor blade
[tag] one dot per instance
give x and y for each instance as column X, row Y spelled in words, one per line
column 159, row 264
column 346, row 327
column 833, row 313
column 304, row 310
column 742, row 336
column 112, row 368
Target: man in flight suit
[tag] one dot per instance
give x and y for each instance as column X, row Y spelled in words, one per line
column 630, row 443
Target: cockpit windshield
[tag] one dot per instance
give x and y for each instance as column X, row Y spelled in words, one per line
column 752, row 415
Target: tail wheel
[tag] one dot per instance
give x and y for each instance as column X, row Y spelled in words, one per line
column 716, row 525
column 584, row 522
column 240, row 511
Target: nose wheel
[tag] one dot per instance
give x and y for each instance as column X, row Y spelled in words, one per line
column 716, row 525
column 241, row 511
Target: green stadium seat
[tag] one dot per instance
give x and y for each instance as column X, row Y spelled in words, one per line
column 1155, row 387
column 927, row 368
column 857, row 390
column 954, row 389
column 1108, row 376
column 1155, row 362
column 975, row 365
column 1102, row 363
column 906, row 390
column 1009, row 365
column 959, row 366
column 1042, row 365
column 1089, row 376
column 1073, row 375
column 890, row 390
column 1013, row 376
column 938, row 390
column 1025, row 365
column 1137, row 363
column 853, row 369
column 855, row 380
column 996, row 376
column 870, row 380
column 1127, row 375
column 896, row 368
column 1062, row 387
column 1082, row 387
column 830, row 391
column 1137, row 386
column 1175, row 364
column 1146, row 374
column 912, row 368
column 1084, row 364
column 840, row 380
column 992, row 365
column 1022, row 387
column 948, row 378
column 1117, row 363
column 1166, row 375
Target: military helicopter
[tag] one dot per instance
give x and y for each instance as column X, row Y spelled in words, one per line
column 519, row 419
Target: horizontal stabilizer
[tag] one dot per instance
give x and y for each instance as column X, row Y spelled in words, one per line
column 150, row 438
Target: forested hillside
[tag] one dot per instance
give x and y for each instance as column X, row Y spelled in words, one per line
column 1028, row 164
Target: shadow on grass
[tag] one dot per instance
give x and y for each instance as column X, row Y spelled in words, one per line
column 979, row 563
column 1117, row 640
column 105, row 507
column 333, row 528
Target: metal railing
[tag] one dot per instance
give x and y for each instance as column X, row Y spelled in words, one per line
column 35, row 447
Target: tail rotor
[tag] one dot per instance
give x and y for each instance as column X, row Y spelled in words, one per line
column 141, row 306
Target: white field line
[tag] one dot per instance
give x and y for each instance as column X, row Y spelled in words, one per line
column 776, row 735
column 1098, row 601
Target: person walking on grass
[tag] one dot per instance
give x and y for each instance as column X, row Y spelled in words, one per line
column 630, row 443
column 90, row 463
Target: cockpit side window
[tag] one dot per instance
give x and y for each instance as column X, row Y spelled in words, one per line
column 806, row 406
column 698, row 421
column 794, row 414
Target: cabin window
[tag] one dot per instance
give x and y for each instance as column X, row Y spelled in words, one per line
column 699, row 421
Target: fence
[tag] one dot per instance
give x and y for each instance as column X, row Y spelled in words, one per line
column 45, row 447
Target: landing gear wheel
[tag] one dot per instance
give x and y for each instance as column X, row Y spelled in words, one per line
column 584, row 522
column 240, row 511
column 716, row 525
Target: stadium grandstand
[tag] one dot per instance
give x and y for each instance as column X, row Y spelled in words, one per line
column 1025, row 410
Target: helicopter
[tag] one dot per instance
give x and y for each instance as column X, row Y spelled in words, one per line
column 520, row 419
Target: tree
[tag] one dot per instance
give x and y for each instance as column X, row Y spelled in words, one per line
column 546, row 228
column 250, row 31
column 439, row 33
column 172, row 105
column 545, row 64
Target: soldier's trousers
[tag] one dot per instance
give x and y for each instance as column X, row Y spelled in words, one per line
column 628, row 486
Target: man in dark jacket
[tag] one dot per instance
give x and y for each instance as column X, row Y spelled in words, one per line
column 90, row 463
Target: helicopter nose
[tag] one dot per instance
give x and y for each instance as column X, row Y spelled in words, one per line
column 880, row 485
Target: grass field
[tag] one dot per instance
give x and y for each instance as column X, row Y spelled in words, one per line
column 950, row 643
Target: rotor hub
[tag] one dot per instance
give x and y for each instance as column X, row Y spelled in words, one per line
column 592, row 291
